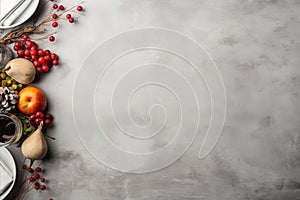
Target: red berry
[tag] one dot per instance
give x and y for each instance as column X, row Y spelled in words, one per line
column 21, row 53
column 38, row 169
column 50, row 198
column 48, row 122
column 39, row 114
column 54, row 24
column 32, row 179
column 42, row 180
column 27, row 52
column 45, row 68
column 30, row 170
column 28, row 58
column 18, row 44
column 32, row 117
column 43, row 187
column 41, row 60
column 39, row 70
column 34, row 47
column 41, row 52
column 55, row 62
column 36, row 176
column 51, row 38
column 38, row 120
column 55, row 6
column 49, row 116
column 36, row 187
column 68, row 16
column 54, row 56
column 35, row 57
column 79, row 8
column 47, row 52
column 25, row 37
column 71, row 20
column 61, row 7
column 54, row 16
column 33, row 52
column 29, row 43
column 24, row 166
column 47, row 58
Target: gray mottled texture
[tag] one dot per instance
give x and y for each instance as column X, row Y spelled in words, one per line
column 256, row 45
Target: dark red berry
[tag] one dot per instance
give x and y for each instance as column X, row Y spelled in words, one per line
column 29, row 43
column 27, row 58
column 36, row 187
column 42, row 180
column 25, row 37
column 38, row 169
column 51, row 38
column 47, row 58
column 50, row 198
column 32, row 117
column 38, row 120
column 55, row 6
column 54, row 16
column 61, row 7
column 30, row 170
column 36, row 63
column 54, row 24
column 41, row 60
column 32, row 179
column 68, row 16
column 71, row 20
column 47, row 52
column 54, row 56
column 18, row 44
column 41, row 52
column 35, row 57
column 45, row 68
column 79, row 8
column 21, row 53
column 48, row 122
column 27, row 52
column 36, row 176
column 55, row 62
column 39, row 70
column 43, row 187
column 33, row 52
column 39, row 114
column 24, row 166
column 49, row 116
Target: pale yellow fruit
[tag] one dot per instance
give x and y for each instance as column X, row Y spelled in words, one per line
column 35, row 146
column 20, row 69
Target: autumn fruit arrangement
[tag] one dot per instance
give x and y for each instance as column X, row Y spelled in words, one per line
column 22, row 60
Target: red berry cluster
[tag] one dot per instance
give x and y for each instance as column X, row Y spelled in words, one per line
column 38, row 117
column 43, row 60
column 35, row 178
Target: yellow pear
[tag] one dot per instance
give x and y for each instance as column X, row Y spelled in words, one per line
column 35, row 146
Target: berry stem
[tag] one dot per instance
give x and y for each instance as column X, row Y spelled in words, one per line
column 50, row 137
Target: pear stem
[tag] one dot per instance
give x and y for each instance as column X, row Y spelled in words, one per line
column 31, row 163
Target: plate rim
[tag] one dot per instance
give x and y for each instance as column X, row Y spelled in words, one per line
column 23, row 21
column 14, row 172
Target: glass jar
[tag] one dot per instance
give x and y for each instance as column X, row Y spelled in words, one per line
column 5, row 55
column 10, row 129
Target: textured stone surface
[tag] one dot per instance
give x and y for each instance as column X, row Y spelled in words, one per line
column 255, row 44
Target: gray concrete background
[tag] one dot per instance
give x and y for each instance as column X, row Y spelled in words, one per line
column 255, row 44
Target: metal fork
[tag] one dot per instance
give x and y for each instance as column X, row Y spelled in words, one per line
column 5, row 17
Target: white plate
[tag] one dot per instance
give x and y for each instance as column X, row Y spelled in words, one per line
column 7, row 158
column 5, row 6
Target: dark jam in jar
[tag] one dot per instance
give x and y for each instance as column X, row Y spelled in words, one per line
column 7, row 129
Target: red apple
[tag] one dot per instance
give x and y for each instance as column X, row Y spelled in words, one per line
column 31, row 100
